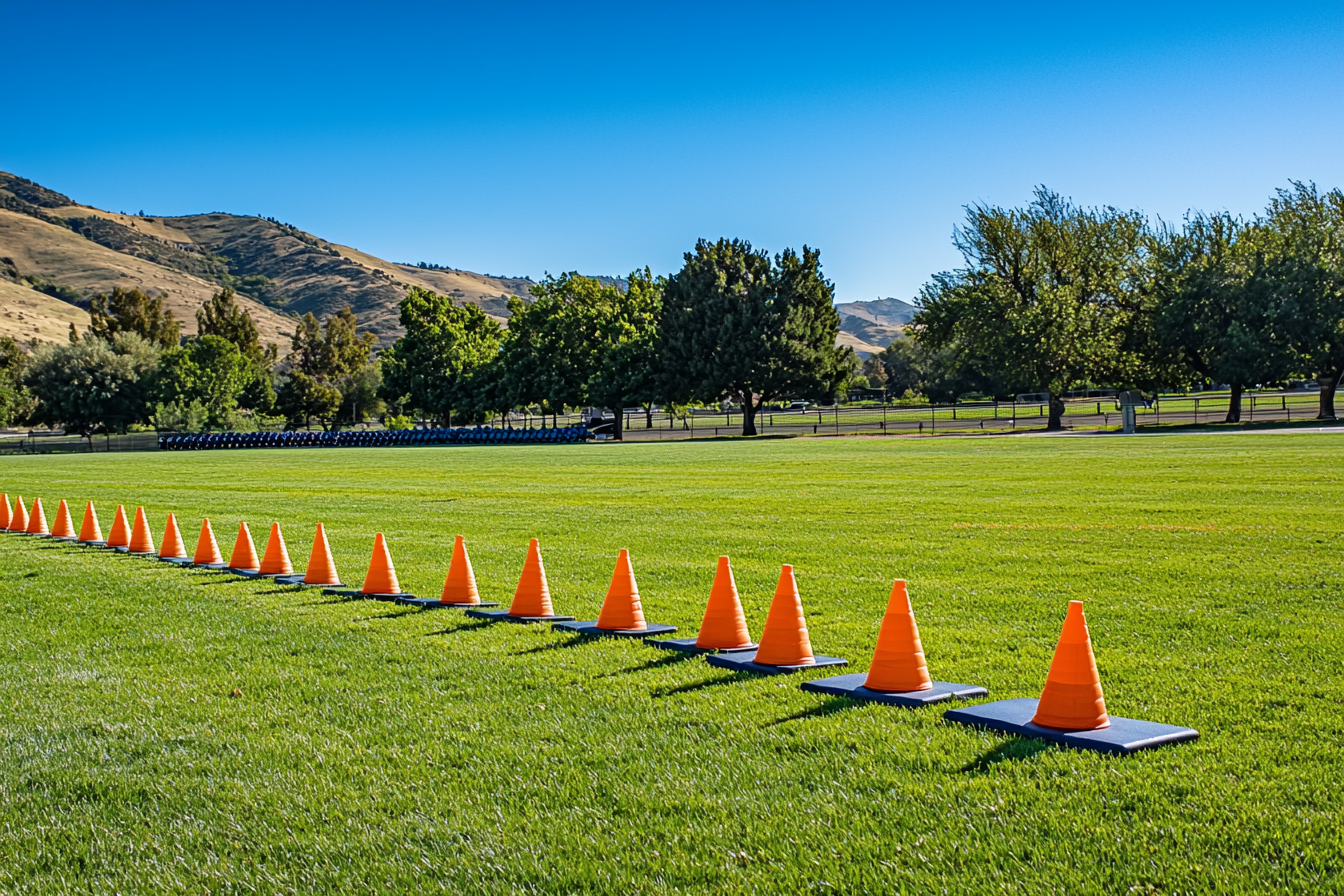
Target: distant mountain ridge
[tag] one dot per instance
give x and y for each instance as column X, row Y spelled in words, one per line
column 869, row 327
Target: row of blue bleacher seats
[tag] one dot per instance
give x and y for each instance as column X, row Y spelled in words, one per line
column 356, row 438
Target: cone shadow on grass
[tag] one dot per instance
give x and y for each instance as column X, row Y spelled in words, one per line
column 830, row 707
column 734, row 678
column 1009, row 750
column 659, row 663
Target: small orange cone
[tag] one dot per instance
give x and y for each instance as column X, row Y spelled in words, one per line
column 89, row 529
column 142, row 542
column 37, row 520
column 533, row 595
column 725, row 625
column 18, row 520
column 321, row 568
column 172, row 540
column 784, row 640
column 1072, row 698
column 207, row 549
column 381, row 577
column 65, row 526
column 460, row 586
column 275, row 562
column 244, row 556
column 898, row 661
column 121, row 532
column 621, row 611
column 4, row 511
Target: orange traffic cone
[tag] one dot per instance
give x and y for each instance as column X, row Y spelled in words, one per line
column 89, row 529
column 725, row 625
column 275, row 562
column 321, row 568
column 533, row 595
column 381, row 579
column 460, row 586
column 898, row 662
column 18, row 520
column 4, row 511
column 37, row 520
column 244, row 556
column 172, row 541
column 65, row 526
column 1072, row 698
column 784, row 640
column 142, row 542
column 121, row 532
column 207, row 549
column 621, row 611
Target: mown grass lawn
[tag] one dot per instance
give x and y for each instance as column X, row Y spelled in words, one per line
column 373, row 749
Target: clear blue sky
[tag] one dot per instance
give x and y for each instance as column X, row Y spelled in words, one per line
column 520, row 138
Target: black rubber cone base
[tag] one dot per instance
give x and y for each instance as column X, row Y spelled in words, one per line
column 504, row 616
column 851, row 686
column 245, row 573
column 590, row 630
column 433, row 603
column 1122, row 736
column 122, row 550
column 297, row 579
column 687, row 645
column 746, row 662
column 215, row 566
column 179, row 561
column 93, row 544
column 335, row 592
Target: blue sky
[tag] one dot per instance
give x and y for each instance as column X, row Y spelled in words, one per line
column 523, row 138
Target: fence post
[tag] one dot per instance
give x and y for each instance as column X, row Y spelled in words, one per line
column 837, row 419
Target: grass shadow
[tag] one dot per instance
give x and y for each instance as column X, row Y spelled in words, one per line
column 731, row 678
column 663, row 661
column 392, row 615
column 566, row 644
column 830, row 707
column 1017, row 749
column 464, row 627
column 223, row 580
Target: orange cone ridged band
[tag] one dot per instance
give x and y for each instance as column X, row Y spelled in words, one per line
column 898, row 661
column 172, row 540
column 37, row 520
column 321, row 568
column 533, row 595
column 142, row 541
column 1072, row 698
column 18, row 520
column 120, row 536
column 244, row 554
column 460, row 586
column 725, row 625
column 784, row 640
column 65, row 526
column 381, row 577
column 275, row 562
column 89, row 529
column 207, row 549
column 622, row 611
column 4, row 511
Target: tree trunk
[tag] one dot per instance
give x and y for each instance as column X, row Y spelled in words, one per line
column 618, row 428
column 1328, row 381
column 1056, row 421
column 1234, row 405
column 748, row 417
column 648, row 416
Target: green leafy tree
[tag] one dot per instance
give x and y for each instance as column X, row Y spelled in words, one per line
column 1046, row 298
column 222, row 316
column 132, row 311
column 16, row 402
column 360, row 396
column 735, row 324
column 624, row 370
column 546, row 357
column 303, row 397
column 440, row 360
column 93, row 386
column 322, row 357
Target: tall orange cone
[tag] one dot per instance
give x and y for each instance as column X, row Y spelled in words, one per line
column 460, row 586
column 725, row 625
column 275, row 562
column 4, row 511
column 89, row 529
column 1072, row 698
column 321, row 568
column 381, row 578
column 37, row 520
column 621, row 611
column 172, row 547
column 784, row 640
column 65, row 526
column 898, row 661
column 207, row 549
column 244, row 556
column 120, row 536
column 18, row 520
column 533, row 595
column 142, row 541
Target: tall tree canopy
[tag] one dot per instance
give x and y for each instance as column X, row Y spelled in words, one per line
column 735, row 324
column 132, row 311
column 624, row 328
column 93, row 385
column 222, row 316
column 322, row 357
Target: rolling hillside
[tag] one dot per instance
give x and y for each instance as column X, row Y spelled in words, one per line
column 869, row 327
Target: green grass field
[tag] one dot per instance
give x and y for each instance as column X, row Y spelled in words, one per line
column 171, row 731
